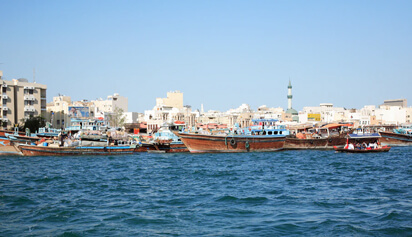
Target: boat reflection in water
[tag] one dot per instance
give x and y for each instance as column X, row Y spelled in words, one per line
column 261, row 136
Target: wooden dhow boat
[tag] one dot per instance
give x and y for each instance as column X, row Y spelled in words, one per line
column 165, row 140
column 329, row 136
column 322, row 138
column 262, row 136
column 32, row 150
column 398, row 137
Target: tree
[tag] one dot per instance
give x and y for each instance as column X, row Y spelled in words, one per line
column 117, row 118
column 34, row 123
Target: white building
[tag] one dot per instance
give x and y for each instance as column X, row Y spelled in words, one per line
column 167, row 110
column 327, row 113
column 263, row 112
column 110, row 104
column 131, row 117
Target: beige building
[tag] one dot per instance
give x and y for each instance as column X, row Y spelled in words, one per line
column 399, row 102
column 60, row 104
column 174, row 99
column 21, row 100
column 57, row 111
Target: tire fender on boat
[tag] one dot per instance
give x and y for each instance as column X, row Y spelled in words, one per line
column 232, row 141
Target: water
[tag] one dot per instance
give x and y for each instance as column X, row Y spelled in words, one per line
column 296, row 193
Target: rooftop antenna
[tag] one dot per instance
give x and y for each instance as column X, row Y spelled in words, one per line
column 34, row 75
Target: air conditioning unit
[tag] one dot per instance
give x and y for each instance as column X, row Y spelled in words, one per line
column 28, row 98
column 29, row 109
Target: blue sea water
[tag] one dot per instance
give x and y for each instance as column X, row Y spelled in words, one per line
column 293, row 193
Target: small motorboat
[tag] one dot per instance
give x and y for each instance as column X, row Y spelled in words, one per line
column 366, row 150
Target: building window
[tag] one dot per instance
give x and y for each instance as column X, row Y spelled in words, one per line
column 4, row 112
column 4, row 89
column 4, row 101
column 58, row 121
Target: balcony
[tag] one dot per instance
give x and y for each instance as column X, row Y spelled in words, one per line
column 4, row 119
column 5, row 108
column 29, row 87
column 29, row 97
column 4, row 85
column 29, row 109
column 5, row 97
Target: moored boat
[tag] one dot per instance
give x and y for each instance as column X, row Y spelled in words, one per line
column 329, row 136
column 31, row 150
column 398, row 137
column 321, row 138
column 10, row 151
column 260, row 137
column 167, row 141
column 344, row 149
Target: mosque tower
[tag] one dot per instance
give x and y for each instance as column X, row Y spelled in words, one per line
column 290, row 110
column 290, row 95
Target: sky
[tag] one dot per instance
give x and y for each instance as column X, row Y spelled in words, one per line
column 219, row 53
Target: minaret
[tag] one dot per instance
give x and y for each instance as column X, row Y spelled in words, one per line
column 290, row 95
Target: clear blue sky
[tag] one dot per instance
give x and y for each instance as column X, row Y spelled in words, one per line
column 219, row 53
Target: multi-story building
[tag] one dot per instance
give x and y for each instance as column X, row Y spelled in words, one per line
column 63, row 109
column 174, row 99
column 324, row 113
column 398, row 102
column 408, row 115
column 21, row 100
column 109, row 105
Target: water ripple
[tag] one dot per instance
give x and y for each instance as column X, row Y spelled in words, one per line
column 294, row 193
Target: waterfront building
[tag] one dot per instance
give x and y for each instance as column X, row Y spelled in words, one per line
column 62, row 109
column 21, row 100
column 132, row 117
column 59, row 103
column 57, row 111
column 169, row 110
column 325, row 112
column 212, row 116
column 391, row 112
column 100, row 106
column 174, row 99
column 398, row 102
column 263, row 112
column 393, row 115
column 408, row 115
column 241, row 116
